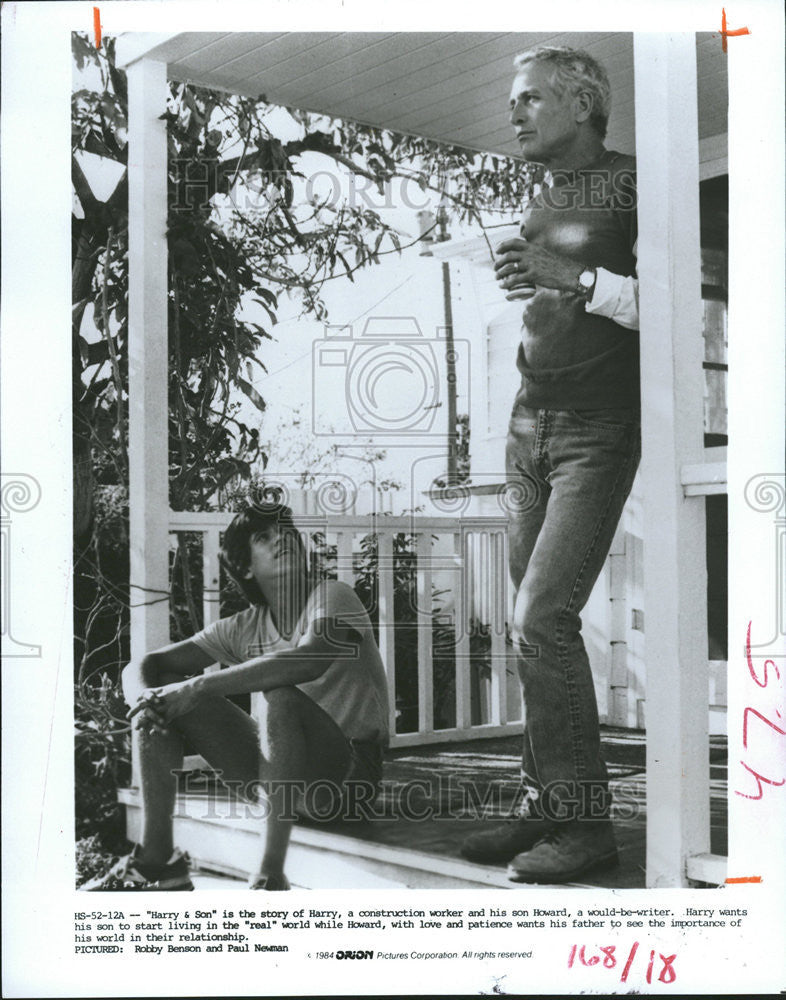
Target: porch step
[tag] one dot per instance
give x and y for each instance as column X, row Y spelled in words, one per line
column 221, row 883
column 220, row 838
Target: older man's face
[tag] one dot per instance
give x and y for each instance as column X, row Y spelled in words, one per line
column 544, row 120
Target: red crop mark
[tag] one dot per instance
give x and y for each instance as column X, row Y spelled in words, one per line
column 97, row 26
column 746, row 878
column 727, row 32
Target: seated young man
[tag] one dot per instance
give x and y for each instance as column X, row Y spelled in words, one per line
column 310, row 650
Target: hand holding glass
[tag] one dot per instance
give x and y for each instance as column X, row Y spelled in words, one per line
column 508, row 268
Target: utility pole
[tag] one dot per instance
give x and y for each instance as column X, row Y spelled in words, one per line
column 436, row 228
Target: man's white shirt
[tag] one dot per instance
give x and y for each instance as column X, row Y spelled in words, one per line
column 616, row 297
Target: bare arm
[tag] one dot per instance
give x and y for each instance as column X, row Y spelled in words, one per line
column 289, row 667
column 170, row 663
column 307, row 661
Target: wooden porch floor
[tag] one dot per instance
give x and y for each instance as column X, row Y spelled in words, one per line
column 492, row 768
column 425, row 807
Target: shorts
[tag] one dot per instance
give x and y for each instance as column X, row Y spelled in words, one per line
column 365, row 764
column 359, row 789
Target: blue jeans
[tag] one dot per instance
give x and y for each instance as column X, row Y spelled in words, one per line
column 569, row 474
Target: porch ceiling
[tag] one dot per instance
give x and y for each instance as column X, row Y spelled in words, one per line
column 452, row 87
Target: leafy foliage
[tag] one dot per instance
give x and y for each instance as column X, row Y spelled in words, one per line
column 92, row 858
column 244, row 226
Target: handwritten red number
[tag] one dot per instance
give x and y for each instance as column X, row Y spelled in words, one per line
column 767, row 663
column 667, row 973
column 763, row 719
column 592, row 960
column 609, row 952
column 631, row 956
column 609, row 961
column 759, row 778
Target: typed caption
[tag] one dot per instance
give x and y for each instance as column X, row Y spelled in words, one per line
column 624, row 942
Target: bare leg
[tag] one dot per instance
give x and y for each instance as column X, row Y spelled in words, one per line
column 159, row 755
column 225, row 735
column 300, row 743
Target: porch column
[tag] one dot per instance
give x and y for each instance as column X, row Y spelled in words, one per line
column 675, row 585
column 147, row 356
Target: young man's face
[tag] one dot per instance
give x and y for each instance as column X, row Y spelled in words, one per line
column 273, row 551
column 544, row 120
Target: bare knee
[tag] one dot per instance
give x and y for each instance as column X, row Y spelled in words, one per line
column 281, row 703
column 135, row 677
column 282, row 697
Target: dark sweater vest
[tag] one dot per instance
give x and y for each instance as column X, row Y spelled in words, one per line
column 570, row 359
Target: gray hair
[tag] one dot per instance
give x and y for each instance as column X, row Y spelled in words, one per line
column 574, row 71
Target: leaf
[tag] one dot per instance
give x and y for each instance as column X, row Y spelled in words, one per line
column 84, row 351
column 252, row 394
column 268, row 310
column 120, row 83
column 345, row 262
column 267, row 294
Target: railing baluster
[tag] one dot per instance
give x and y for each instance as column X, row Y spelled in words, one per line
column 424, row 618
column 344, row 557
column 387, row 622
column 499, row 684
column 479, row 598
column 462, row 624
column 211, row 580
column 481, row 568
column 211, row 597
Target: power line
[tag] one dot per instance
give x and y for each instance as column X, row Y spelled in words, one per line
column 379, row 302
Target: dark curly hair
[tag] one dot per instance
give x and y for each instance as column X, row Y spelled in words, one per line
column 249, row 524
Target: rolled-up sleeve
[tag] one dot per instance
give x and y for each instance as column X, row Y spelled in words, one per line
column 616, row 297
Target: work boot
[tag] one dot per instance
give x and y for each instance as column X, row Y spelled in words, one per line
column 565, row 852
column 504, row 841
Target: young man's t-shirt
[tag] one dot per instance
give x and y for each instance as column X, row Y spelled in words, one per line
column 353, row 690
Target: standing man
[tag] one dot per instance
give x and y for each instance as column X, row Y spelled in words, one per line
column 572, row 451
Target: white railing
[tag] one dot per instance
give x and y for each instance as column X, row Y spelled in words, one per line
column 465, row 559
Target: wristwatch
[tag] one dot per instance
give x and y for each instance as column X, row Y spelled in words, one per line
column 585, row 283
